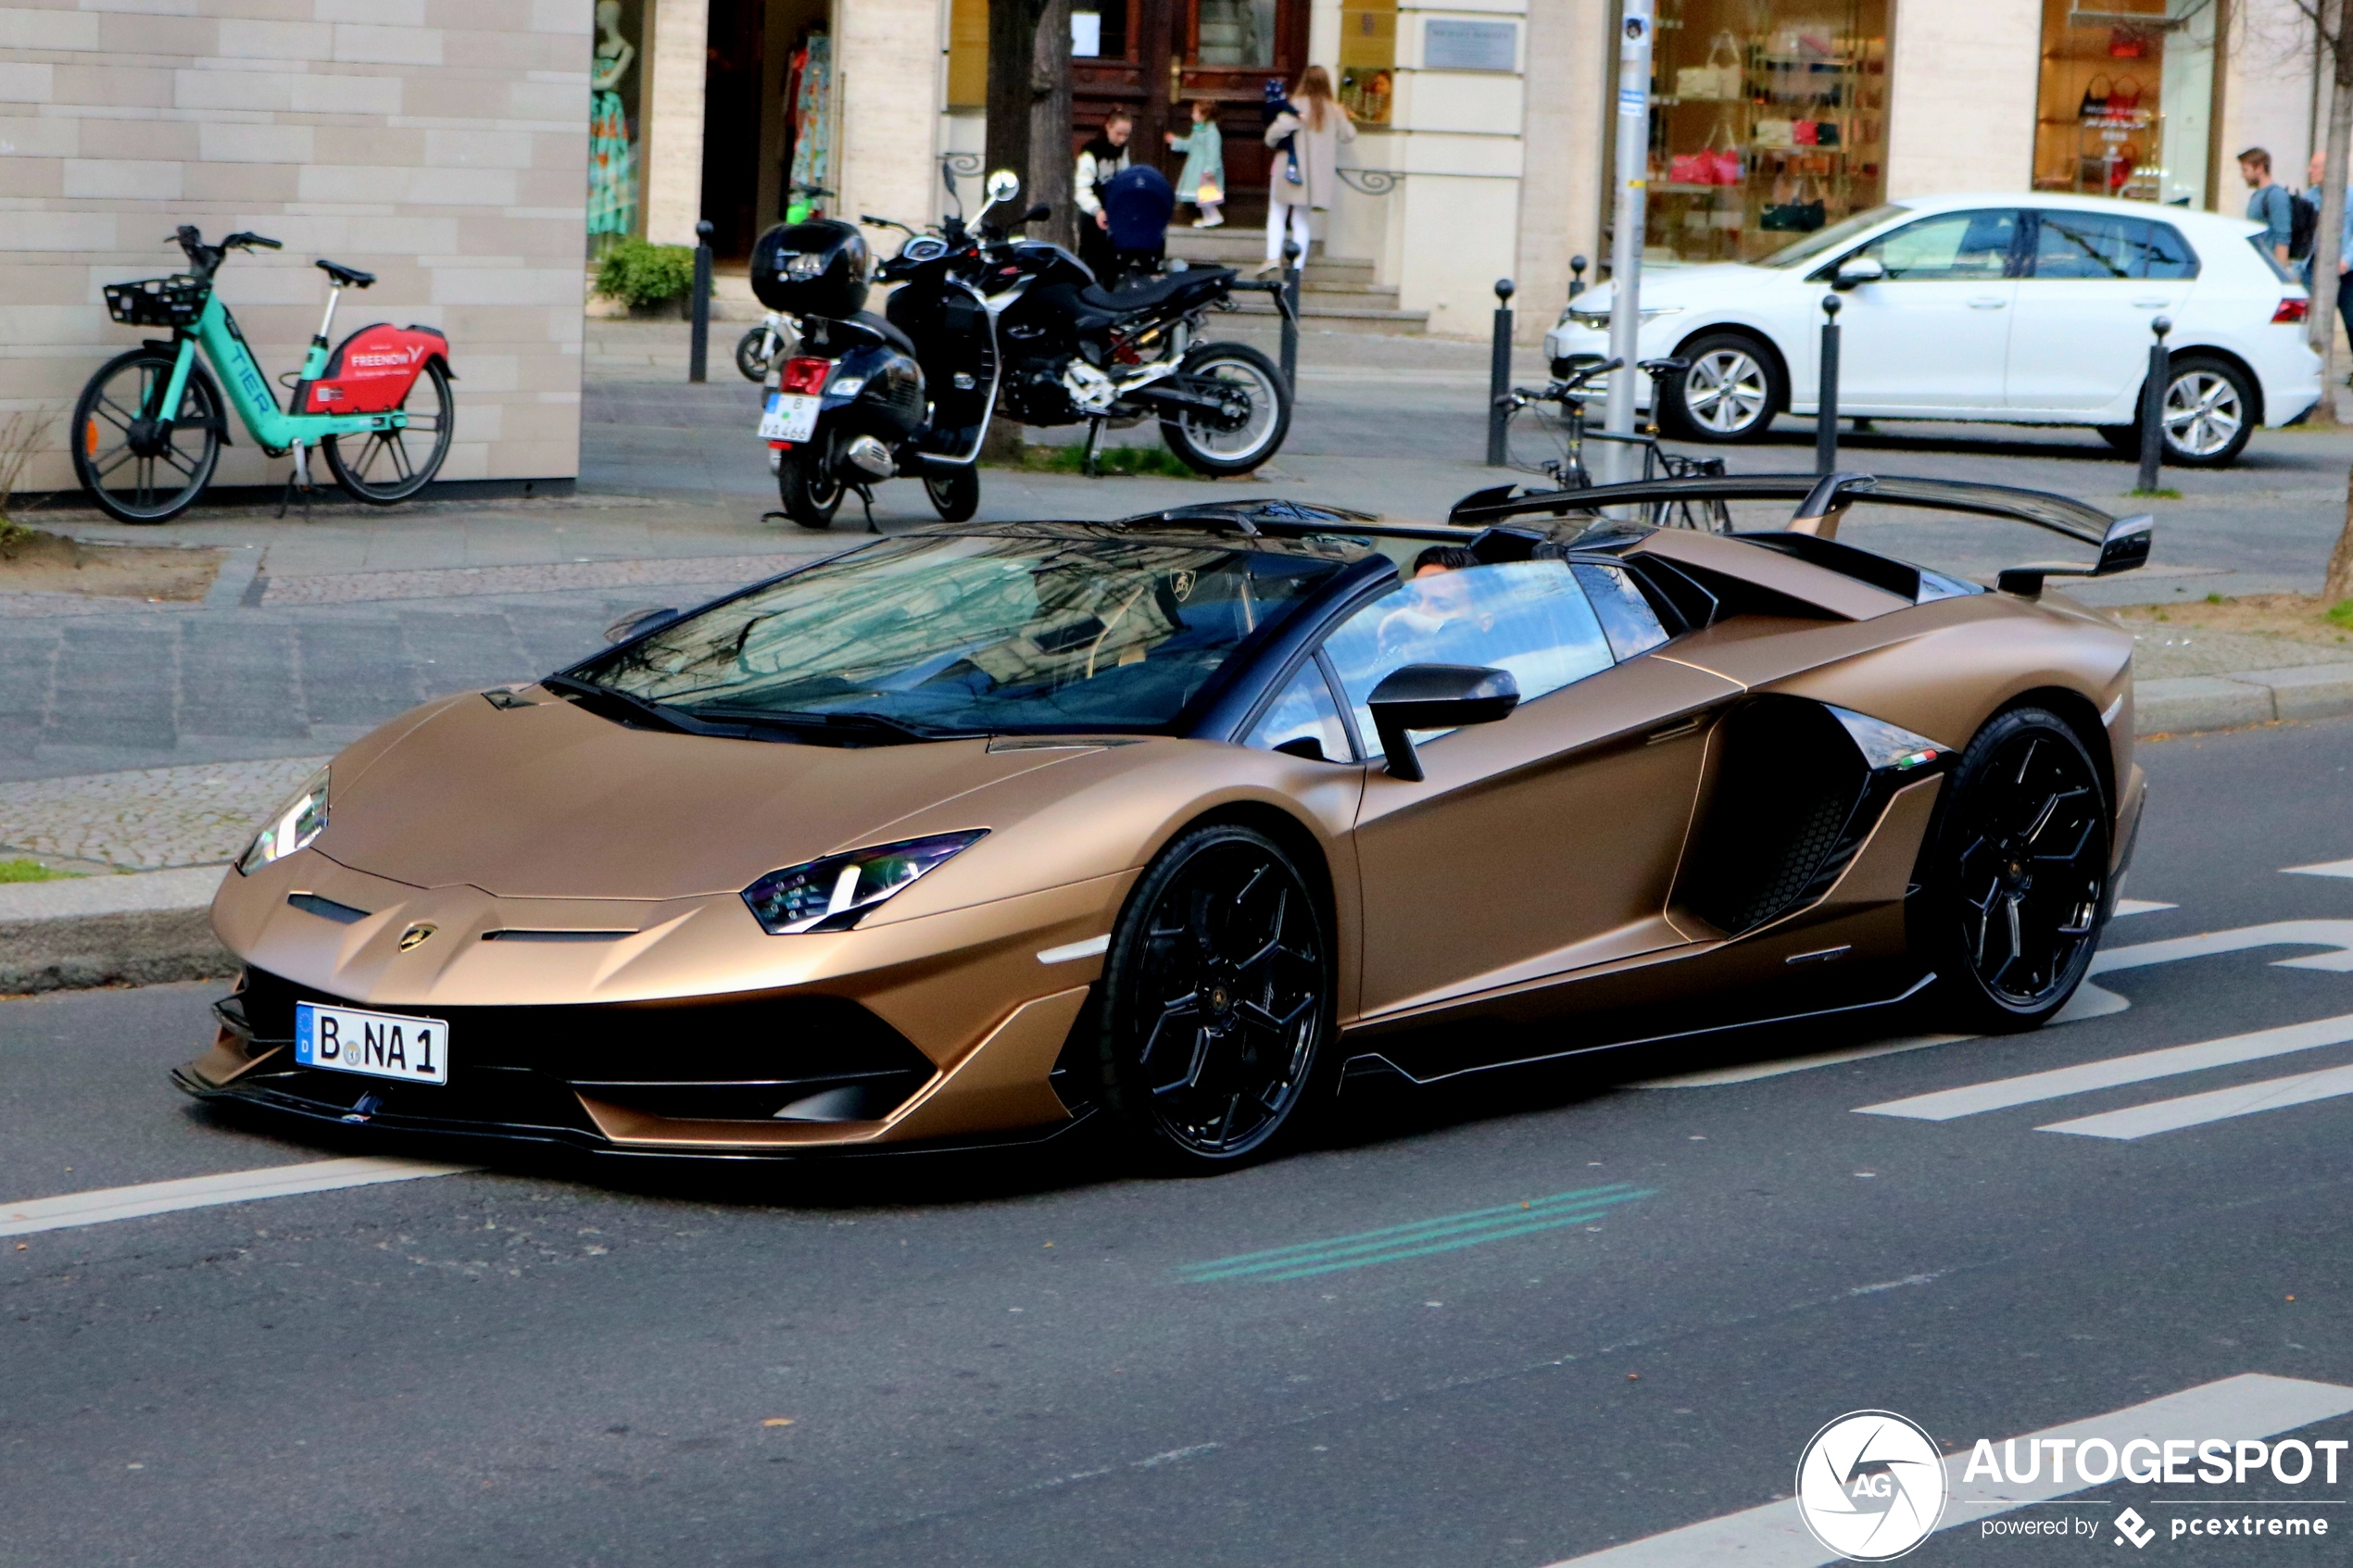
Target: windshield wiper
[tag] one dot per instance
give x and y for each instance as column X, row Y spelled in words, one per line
column 631, row 705
column 797, row 718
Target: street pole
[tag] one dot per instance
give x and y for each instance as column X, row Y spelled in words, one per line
column 2153, row 404
column 1499, row 380
column 1293, row 261
column 1825, row 417
column 698, row 345
column 1626, row 246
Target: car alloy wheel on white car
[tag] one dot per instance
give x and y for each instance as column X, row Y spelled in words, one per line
column 2205, row 414
column 1727, row 394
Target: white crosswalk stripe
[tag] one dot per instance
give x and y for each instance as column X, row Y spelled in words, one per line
column 2218, row 1105
column 2326, row 868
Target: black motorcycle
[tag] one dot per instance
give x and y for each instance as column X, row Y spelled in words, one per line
column 980, row 323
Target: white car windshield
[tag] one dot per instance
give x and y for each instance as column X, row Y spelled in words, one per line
column 1822, row 241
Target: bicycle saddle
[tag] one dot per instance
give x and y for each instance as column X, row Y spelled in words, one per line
column 342, row 274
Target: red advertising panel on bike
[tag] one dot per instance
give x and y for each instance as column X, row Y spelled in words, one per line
column 371, row 370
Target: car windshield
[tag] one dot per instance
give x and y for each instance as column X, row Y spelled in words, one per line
column 974, row 634
column 1822, row 241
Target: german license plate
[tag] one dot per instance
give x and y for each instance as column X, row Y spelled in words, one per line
column 381, row 1044
column 790, row 417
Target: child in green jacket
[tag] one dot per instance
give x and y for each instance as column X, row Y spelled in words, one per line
column 1204, row 180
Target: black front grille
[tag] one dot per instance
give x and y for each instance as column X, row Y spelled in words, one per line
column 734, row 1058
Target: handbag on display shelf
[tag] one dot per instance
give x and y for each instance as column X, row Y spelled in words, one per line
column 1826, row 134
column 1716, row 81
column 2124, row 98
column 1776, row 134
column 2124, row 44
column 1723, row 150
column 1801, row 212
column 2096, row 98
column 1805, row 132
column 1692, row 169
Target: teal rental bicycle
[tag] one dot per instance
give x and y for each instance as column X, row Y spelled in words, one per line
column 148, row 429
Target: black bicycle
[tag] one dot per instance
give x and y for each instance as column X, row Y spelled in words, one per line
column 1558, row 415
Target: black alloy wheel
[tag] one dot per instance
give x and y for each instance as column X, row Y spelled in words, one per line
column 2014, row 888
column 137, row 466
column 385, row 465
column 1217, row 996
column 955, row 494
column 808, row 486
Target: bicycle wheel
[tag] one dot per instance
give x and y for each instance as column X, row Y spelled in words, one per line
column 391, row 465
column 137, row 467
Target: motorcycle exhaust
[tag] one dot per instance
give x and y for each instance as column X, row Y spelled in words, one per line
column 871, row 456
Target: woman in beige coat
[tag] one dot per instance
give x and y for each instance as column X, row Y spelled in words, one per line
column 1318, row 125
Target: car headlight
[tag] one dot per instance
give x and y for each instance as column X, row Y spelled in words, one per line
column 833, row 894
column 290, row 827
column 1598, row 322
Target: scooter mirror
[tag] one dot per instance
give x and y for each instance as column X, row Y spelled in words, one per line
column 1003, row 186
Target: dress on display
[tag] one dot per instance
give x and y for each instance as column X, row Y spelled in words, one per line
column 612, row 178
column 809, row 96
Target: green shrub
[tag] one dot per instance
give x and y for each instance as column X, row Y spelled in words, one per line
column 636, row 273
column 31, row 870
column 1121, row 462
column 2341, row 613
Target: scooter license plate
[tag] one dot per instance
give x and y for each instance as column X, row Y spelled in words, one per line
column 790, row 417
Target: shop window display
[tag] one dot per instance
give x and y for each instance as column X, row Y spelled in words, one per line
column 2126, row 99
column 1367, row 59
column 1768, row 121
column 612, row 152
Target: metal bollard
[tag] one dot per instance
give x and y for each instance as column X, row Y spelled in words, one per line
column 1576, row 265
column 1292, row 258
column 2153, row 404
column 1499, row 378
column 698, row 343
column 1826, row 419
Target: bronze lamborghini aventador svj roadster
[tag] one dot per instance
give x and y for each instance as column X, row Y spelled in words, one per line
column 974, row 833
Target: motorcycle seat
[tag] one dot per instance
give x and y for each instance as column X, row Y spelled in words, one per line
column 888, row 330
column 1149, row 294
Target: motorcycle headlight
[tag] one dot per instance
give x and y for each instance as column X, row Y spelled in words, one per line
column 290, row 827
column 833, row 894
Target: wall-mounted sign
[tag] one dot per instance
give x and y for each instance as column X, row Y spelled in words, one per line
column 1465, row 45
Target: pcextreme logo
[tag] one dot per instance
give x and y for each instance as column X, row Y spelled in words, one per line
column 1871, row 1486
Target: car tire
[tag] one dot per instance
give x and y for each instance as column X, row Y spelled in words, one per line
column 810, row 491
column 2210, row 412
column 2014, row 880
column 955, row 494
column 1730, row 393
column 1217, row 1002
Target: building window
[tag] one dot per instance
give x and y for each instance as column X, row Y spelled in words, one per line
column 1367, row 59
column 1768, row 121
column 2126, row 99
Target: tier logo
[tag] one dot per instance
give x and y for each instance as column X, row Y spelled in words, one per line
column 1871, row 1486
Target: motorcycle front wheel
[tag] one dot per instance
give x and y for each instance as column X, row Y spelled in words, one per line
column 955, row 494
column 752, row 351
column 809, row 488
column 1259, row 398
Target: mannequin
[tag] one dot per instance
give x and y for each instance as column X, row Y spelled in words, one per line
column 612, row 183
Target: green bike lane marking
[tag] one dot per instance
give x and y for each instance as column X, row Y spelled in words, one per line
column 1417, row 1238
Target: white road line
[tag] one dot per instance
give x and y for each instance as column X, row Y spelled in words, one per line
column 203, row 1192
column 2326, row 868
column 2001, row 1093
column 1774, row 1537
column 2191, row 1111
column 2336, row 933
column 2146, row 907
column 2089, row 1001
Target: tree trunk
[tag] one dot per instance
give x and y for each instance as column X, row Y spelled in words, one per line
column 2339, row 584
column 1013, row 38
column 1053, row 165
column 2326, row 250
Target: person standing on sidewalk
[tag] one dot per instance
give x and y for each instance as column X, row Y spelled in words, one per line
column 1097, row 161
column 1203, row 183
column 1319, row 125
column 2268, row 203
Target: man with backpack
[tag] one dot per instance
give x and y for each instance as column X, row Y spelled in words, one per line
column 2269, row 203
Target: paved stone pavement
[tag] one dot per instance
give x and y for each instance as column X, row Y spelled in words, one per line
column 147, row 819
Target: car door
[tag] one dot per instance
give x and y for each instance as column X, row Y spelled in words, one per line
column 1547, row 841
column 2079, row 329
column 1933, row 335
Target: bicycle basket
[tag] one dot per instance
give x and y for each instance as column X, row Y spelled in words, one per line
column 158, row 302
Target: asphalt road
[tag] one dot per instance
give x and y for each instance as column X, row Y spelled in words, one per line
column 1010, row 1362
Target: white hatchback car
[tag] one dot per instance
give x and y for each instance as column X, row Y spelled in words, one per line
column 2025, row 310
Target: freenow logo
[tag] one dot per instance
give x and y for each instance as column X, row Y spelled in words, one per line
column 2132, row 1527
column 1871, row 1486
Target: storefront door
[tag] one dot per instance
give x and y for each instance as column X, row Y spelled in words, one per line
column 1152, row 57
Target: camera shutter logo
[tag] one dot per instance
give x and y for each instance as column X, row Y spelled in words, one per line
column 1871, row 1486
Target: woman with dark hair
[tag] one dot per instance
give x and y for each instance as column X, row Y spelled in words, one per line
column 1100, row 158
column 1315, row 124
